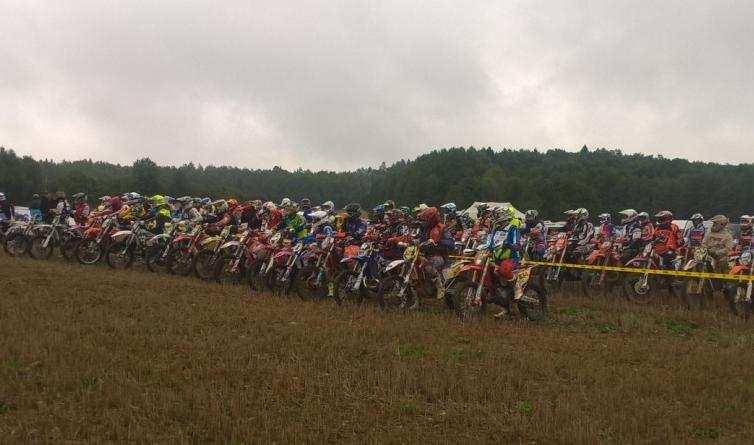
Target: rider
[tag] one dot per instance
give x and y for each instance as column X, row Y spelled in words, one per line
column 6, row 210
column 666, row 237
column 186, row 210
column 694, row 235
column 306, row 209
column 62, row 207
column 272, row 214
column 321, row 224
column 436, row 244
column 354, row 226
column 80, row 208
column 294, row 223
column 719, row 242
column 160, row 212
column 745, row 234
column 607, row 228
column 537, row 232
column 582, row 234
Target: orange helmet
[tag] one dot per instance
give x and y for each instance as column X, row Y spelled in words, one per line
column 429, row 216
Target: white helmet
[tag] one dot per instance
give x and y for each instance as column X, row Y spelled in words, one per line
column 328, row 206
column 2, row 196
column 629, row 216
column 318, row 215
column 285, row 202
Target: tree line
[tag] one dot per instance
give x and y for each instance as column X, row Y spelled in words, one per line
column 552, row 181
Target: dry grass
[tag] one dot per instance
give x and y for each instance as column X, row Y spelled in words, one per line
column 97, row 355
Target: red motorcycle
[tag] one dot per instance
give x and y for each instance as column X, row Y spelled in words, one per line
column 474, row 282
column 97, row 237
column 605, row 254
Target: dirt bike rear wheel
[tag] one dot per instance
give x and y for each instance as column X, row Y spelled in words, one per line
column 17, row 244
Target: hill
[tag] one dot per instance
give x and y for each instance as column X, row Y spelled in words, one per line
column 552, row 181
column 95, row 355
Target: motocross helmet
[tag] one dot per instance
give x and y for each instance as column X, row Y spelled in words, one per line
column 353, row 210
column 290, row 208
column 629, row 216
column 481, row 210
column 719, row 222
column 664, row 217
column 220, row 206
column 531, row 215
column 581, row 214
column 643, row 217
column 104, row 199
column 429, row 217
column 306, row 204
column 420, row 208
column 79, row 197
column 318, row 216
column 746, row 221
column 285, row 202
column 389, row 205
column 605, row 218
column 328, row 206
column 158, row 200
column 268, row 206
column 232, row 204
column 449, row 208
column 2, row 196
column 697, row 219
column 406, row 210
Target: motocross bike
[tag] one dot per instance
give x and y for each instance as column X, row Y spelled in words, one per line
column 739, row 293
column 184, row 248
column 161, row 247
column 96, row 239
column 231, row 268
column 205, row 261
column 406, row 280
column 605, row 254
column 48, row 236
column 264, row 260
column 128, row 244
column 557, row 253
column 475, row 283
column 315, row 275
column 640, row 287
column 697, row 292
column 361, row 267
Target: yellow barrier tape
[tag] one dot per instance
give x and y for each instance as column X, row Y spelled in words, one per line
column 634, row 270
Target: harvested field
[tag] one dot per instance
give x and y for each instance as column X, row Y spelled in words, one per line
column 91, row 354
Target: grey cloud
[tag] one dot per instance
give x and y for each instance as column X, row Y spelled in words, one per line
column 339, row 85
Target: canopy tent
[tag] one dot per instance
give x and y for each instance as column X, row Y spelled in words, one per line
column 472, row 210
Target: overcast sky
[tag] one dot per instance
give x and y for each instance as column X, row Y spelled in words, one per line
column 342, row 84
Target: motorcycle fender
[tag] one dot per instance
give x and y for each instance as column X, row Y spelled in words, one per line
column 121, row 235
column 157, row 238
column 738, row 269
column 391, row 265
column 210, row 242
column 230, row 244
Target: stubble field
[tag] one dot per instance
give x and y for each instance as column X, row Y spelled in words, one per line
column 90, row 354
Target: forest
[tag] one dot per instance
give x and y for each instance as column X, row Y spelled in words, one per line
column 551, row 181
